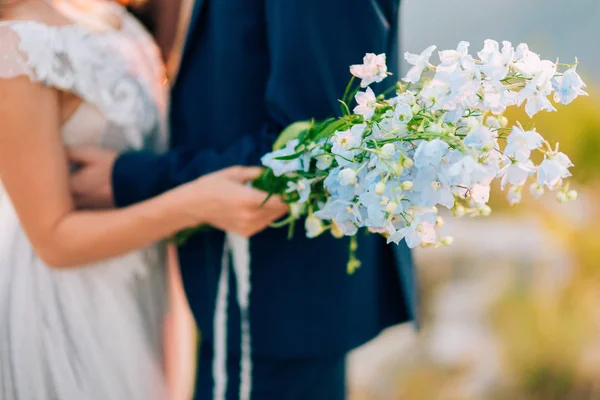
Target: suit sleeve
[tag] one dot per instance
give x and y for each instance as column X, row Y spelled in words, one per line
column 311, row 43
column 141, row 175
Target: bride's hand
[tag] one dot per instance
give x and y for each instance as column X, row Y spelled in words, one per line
column 224, row 200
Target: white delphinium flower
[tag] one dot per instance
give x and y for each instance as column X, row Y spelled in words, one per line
column 433, row 187
column 496, row 63
column 453, row 58
column 530, row 65
column 346, row 144
column 520, row 143
column 373, row 69
column 419, row 63
column 281, row 167
column 554, row 169
column 394, row 122
column 433, row 95
column 430, row 152
column 466, row 170
column 480, row 194
column 489, row 48
column 407, row 97
column 536, row 98
column 496, row 98
column 481, row 138
column 420, row 230
column 568, row 86
column 367, row 103
column 516, row 173
column 302, row 187
column 454, row 90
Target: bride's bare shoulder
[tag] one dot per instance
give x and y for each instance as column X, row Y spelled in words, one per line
column 32, row 10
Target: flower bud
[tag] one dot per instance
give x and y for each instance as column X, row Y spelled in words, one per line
column 408, row 163
column 492, row 122
column 314, row 226
column 447, row 241
column 486, row 211
column 391, row 206
column 572, row 195
column 380, row 188
column 407, row 185
column 439, row 221
column 398, row 169
column 435, row 128
column 487, row 147
column 561, row 197
column 348, row 176
column 536, row 190
column 324, row 161
column 296, row 209
column 503, row 120
column 388, row 150
column 459, row 210
column 336, row 232
column 514, row 195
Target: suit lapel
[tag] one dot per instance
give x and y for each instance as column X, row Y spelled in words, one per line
column 189, row 35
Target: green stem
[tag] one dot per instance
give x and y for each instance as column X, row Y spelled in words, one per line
column 348, row 88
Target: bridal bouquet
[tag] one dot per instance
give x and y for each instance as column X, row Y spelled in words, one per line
column 436, row 139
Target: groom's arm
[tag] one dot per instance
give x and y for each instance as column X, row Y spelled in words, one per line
column 311, row 44
column 140, row 175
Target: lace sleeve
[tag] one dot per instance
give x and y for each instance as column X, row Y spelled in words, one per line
column 13, row 62
column 103, row 69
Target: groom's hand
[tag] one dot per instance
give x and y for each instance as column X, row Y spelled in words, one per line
column 91, row 183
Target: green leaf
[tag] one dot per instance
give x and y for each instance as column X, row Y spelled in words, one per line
column 330, row 128
column 291, row 132
column 290, row 157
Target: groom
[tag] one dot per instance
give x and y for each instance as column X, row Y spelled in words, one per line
column 249, row 69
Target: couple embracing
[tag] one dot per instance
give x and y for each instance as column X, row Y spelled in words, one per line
column 83, row 290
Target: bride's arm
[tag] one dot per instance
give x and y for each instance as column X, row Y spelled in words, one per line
column 34, row 172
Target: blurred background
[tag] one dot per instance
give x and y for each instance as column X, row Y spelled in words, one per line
column 512, row 310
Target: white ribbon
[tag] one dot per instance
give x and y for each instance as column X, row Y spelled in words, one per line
column 239, row 248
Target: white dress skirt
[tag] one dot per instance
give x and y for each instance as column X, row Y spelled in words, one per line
column 92, row 332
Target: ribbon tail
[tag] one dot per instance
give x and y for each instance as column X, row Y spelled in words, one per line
column 240, row 249
column 219, row 366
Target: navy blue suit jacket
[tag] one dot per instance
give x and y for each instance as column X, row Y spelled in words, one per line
column 250, row 68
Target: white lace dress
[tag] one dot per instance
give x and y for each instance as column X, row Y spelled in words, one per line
column 89, row 333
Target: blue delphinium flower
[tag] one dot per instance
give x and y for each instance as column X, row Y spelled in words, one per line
column 430, row 152
column 303, row 187
column 281, row 167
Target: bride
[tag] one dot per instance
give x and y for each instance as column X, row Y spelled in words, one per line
column 81, row 306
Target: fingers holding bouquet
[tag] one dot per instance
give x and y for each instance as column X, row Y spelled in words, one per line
column 225, row 200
